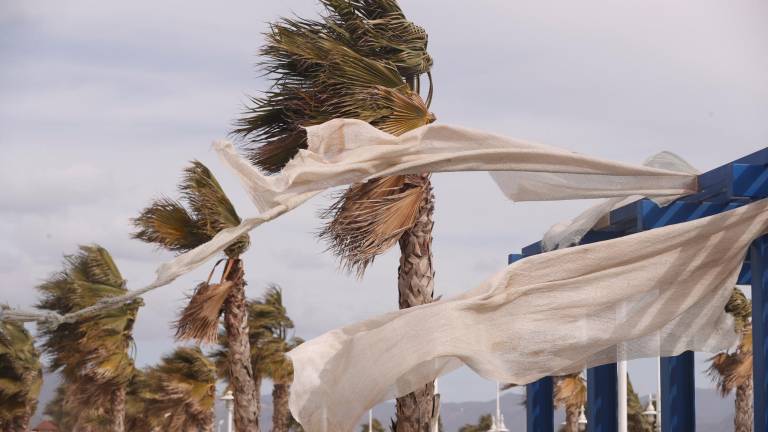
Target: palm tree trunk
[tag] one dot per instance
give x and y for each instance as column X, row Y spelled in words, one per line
column 281, row 415
column 572, row 418
column 236, row 326
column 415, row 284
column 742, row 421
column 18, row 424
column 118, row 409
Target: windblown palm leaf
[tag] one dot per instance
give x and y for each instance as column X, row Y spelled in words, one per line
column 362, row 61
column 91, row 353
column 21, row 376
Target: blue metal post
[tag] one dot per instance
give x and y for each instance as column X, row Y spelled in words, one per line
column 539, row 409
column 602, row 399
column 678, row 400
column 759, row 263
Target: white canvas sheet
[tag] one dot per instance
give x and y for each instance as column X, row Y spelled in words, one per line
column 661, row 292
column 344, row 151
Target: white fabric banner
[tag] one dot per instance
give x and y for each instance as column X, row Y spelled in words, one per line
column 660, row 292
column 344, row 151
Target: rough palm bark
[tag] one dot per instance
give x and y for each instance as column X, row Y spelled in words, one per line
column 742, row 421
column 416, row 287
column 118, row 409
column 246, row 401
column 281, row 415
column 571, row 418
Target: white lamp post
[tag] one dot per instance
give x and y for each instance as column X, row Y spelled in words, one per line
column 370, row 420
column 228, row 398
column 498, row 420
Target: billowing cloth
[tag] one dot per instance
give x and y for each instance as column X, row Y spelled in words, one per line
column 346, row 151
column 570, row 232
column 659, row 292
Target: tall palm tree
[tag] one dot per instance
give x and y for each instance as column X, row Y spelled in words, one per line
column 362, row 60
column 733, row 370
column 268, row 328
column 173, row 226
column 179, row 394
column 570, row 392
column 92, row 353
column 21, row 377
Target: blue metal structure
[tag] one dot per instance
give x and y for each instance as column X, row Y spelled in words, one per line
column 727, row 187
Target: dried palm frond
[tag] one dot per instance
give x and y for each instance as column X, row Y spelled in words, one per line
column 369, row 218
column 199, row 320
column 570, row 390
column 730, row 370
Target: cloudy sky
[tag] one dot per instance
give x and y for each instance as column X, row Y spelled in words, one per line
column 103, row 103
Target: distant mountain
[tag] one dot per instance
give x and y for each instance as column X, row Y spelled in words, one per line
column 713, row 414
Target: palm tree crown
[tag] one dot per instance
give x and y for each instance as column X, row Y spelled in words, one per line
column 21, row 376
column 91, row 353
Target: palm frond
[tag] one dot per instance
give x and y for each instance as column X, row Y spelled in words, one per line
column 353, row 63
column 170, row 225
column 369, row 218
column 199, row 320
column 167, row 223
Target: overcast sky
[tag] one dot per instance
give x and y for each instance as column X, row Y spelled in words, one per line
column 103, row 103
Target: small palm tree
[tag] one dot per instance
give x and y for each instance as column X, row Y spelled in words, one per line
column 268, row 327
column 270, row 317
column 362, row 60
column 180, row 392
column 92, row 353
column 484, row 423
column 733, row 370
column 21, row 377
column 570, row 392
column 172, row 226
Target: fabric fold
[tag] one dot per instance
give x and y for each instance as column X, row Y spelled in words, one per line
column 659, row 292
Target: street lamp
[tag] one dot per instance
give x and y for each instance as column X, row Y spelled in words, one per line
column 228, row 398
column 582, row 419
column 650, row 412
column 498, row 420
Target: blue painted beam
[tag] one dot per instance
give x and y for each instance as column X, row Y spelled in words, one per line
column 678, row 393
column 540, row 413
column 602, row 399
column 759, row 258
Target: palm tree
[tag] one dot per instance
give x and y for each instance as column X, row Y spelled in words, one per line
column 570, row 392
column 483, row 424
column 21, row 377
column 636, row 421
column 179, row 394
column 733, row 370
column 362, row 60
column 270, row 317
column 268, row 327
column 92, row 353
column 375, row 426
column 172, row 226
